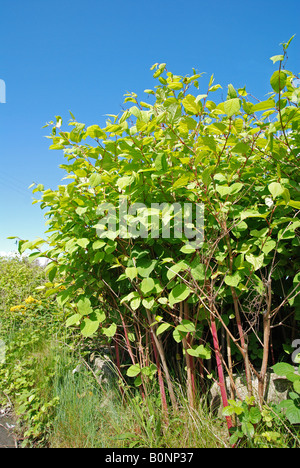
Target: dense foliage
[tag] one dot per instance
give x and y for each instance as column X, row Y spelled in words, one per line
column 47, row 381
column 170, row 306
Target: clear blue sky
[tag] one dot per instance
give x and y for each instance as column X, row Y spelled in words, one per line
column 82, row 56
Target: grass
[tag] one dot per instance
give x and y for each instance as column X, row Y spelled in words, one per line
column 60, row 403
column 94, row 416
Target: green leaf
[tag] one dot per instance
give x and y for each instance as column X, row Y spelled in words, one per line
column 162, row 328
column 190, row 104
column 161, row 162
column 137, row 382
column 285, row 45
column 110, row 331
column 232, row 106
column 248, row 428
column 186, row 326
column 295, row 204
column 52, row 274
column 73, row 319
column 257, row 262
column 233, row 280
column 181, row 182
column 235, row 436
column 264, row 105
column 147, row 285
column 133, row 294
column 135, row 303
column 148, row 303
column 81, row 211
column 175, row 86
column 215, row 87
column 179, row 294
column 277, row 58
column 98, row 244
column 89, row 326
column 94, row 131
column 181, row 330
column 241, row 147
column 278, row 80
column 145, row 267
column 187, row 249
column 95, row 180
column 123, row 182
column 231, row 94
column 175, row 269
column 268, row 246
column 276, row 189
column 206, row 175
column 254, row 415
column 84, row 306
column 296, row 385
column 292, row 411
column 133, row 370
column 83, row 242
column 228, row 411
column 251, row 213
column 149, row 371
column 99, row 314
column 259, row 233
column 198, row 270
column 178, row 335
column 131, row 272
column 201, row 352
column 63, row 298
column 236, row 188
column 283, row 368
column 223, row 190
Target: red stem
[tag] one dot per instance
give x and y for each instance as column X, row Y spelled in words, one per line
column 160, row 378
column 220, row 369
column 118, row 361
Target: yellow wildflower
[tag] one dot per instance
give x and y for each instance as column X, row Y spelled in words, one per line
column 60, row 286
column 18, row 308
column 31, row 300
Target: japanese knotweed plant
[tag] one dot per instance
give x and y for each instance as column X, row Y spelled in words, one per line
column 160, row 295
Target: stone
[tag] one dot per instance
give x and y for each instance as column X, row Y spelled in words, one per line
column 276, row 390
column 7, row 425
column 103, row 368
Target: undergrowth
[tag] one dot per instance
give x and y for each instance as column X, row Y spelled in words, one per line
column 48, row 380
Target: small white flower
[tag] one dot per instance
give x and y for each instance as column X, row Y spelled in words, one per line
column 269, row 202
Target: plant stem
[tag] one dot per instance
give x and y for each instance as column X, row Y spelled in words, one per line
column 160, row 380
column 160, row 349
column 220, row 369
column 267, row 329
column 191, row 390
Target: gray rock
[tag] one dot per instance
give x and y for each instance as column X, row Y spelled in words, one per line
column 276, row 390
column 7, row 425
column 103, row 368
